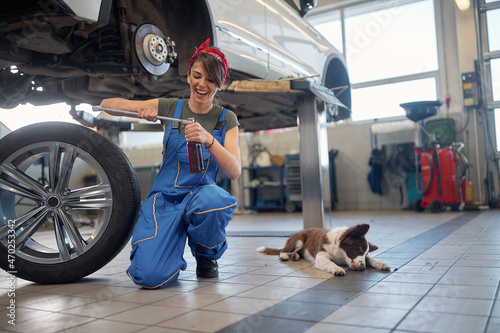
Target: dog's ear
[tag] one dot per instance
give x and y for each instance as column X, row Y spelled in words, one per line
column 359, row 230
column 355, row 232
column 372, row 247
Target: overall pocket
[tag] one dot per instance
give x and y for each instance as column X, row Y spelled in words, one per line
column 184, row 178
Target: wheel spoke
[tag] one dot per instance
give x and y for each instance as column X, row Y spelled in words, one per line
column 91, row 204
column 19, row 190
column 23, row 178
column 72, row 232
column 91, row 191
column 22, row 221
column 61, row 240
column 54, row 157
column 30, row 229
column 66, row 167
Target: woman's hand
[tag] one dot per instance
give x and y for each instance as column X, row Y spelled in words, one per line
column 147, row 112
column 196, row 133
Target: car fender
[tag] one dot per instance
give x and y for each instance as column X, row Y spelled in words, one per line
column 240, row 31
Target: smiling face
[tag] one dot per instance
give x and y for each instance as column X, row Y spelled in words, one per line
column 203, row 86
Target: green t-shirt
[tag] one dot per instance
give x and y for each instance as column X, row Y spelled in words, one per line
column 166, row 108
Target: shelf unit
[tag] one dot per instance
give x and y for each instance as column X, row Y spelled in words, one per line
column 293, row 183
column 268, row 193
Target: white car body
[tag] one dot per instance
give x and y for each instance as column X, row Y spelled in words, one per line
column 269, row 38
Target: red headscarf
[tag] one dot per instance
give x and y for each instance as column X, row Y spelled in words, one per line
column 213, row 52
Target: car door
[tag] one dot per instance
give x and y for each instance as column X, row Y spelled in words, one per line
column 295, row 47
column 241, row 34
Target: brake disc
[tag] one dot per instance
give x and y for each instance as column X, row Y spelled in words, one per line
column 154, row 51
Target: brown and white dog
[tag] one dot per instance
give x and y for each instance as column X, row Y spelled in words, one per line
column 328, row 248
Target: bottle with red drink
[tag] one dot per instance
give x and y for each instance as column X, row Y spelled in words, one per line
column 195, row 155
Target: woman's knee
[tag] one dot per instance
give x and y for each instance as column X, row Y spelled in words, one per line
column 212, row 198
column 149, row 270
column 151, row 276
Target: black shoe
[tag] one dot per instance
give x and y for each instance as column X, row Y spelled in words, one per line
column 206, row 268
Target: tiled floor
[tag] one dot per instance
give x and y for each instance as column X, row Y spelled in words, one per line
column 444, row 277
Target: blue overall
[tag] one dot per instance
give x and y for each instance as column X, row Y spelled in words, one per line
column 180, row 205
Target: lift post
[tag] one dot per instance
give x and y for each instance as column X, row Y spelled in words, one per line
column 312, row 110
column 314, row 163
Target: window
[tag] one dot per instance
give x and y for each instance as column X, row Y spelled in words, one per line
column 495, row 78
column 493, row 28
column 497, row 127
column 383, row 101
column 490, row 11
column 391, row 41
column 391, row 54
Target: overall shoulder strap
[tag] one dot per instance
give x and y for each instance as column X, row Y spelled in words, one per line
column 177, row 114
column 221, row 125
column 222, row 120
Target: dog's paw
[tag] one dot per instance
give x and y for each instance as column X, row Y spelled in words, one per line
column 284, row 256
column 381, row 266
column 295, row 257
column 338, row 271
column 385, row 267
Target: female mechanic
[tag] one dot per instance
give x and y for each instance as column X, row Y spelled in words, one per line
column 182, row 205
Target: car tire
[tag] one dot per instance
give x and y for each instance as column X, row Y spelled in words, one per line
column 43, row 234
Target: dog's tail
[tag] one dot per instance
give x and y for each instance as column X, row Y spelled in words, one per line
column 269, row 251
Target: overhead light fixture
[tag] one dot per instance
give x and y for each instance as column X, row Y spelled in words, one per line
column 463, row 5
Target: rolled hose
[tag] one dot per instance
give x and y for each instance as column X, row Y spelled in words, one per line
column 430, row 177
column 438, row 169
